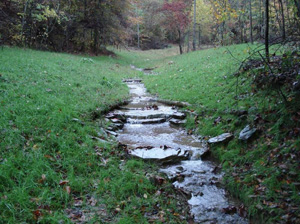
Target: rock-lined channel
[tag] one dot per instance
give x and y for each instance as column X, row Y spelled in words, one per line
column 150, row 130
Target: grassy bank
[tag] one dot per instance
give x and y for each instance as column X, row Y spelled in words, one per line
column 263, row 172
column 51, row 171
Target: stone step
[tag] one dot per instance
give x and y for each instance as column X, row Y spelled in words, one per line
column 146, row 121
column 132, row 80
column 160, row 155
column 177, row 122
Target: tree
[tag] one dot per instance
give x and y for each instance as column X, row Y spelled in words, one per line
column 267, row 29
column 194, row 27
column 177, row 18
column 251, row 21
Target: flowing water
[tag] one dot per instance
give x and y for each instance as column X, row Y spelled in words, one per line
column 151, row 133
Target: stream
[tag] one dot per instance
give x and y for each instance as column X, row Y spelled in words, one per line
column 151, row 131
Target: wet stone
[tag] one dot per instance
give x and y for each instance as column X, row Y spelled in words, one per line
column 247, row 133
column 147, row 121
column 160, row 155
column 177, row 122
column 223, row 138
column 111, row 133
column 151, row 132
column 179, row 116
column 115, row 127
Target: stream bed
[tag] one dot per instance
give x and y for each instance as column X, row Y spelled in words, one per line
column 151, row 131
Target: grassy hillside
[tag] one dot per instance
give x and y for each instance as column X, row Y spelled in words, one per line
column 263, row 172
column 51, row 171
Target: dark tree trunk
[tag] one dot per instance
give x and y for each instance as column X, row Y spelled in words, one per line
column 251, row 23
column 297, row 3
column 188, row 42
column 194, row 28
column 222, row 32
column 277, row 16
column 283, row 20
column 180, row 41
column 199, row 37
column 95, row 41
column 267, row 29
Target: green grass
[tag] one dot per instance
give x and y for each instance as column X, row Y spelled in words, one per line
column 205, row 80
column 41, row 144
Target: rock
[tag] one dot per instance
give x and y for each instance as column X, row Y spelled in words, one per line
column 178, row 115
column 206, row 154
column 115, row 120
column 132, row 80
column 177, row 122
column 112, row 116
column 159, row 155
column 239, row 112
column 78, row 121
column 148, row 69
column 115, row 126
column 247, row 133
column 99, row 140
column 156, row 180
column 296, row 86
column 151, row 116
column 102, row 133
column 223, row 138
column 147, row 121
column 218, row 120
column 111, row 133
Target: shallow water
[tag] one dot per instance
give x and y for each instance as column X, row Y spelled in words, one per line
column 149, row 135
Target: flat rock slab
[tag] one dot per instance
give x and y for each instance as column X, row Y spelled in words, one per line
column 177, row 122
column 132, row 80
column 147, row 121
column 221, row 138
column 179, row 115
column 247, row 133
column 160, row 155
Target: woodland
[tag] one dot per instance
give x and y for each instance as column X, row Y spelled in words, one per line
column 228, row 70
column 90, row 25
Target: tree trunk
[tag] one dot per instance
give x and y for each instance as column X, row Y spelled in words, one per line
column 251, row 23
column 96, row 41
column 277, row 16
column 180, row 41
column 283, row 20
column 84, row 27
column 199, row 37
column 194, row 30
column 267, row 30
column 23, row 22
column 222, row 33
column 297, row 3
column 138, row 35
column 138, row 29
column 263, row 21
column 188, row 41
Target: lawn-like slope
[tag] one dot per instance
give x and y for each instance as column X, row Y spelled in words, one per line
column 263, row 172
column 51, row 171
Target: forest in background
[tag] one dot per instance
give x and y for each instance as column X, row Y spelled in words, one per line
column 90, row 25
column 52, row 167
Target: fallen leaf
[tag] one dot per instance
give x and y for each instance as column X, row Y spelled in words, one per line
column 68, row 189
column 35, row 147
column 37, row 214
column 63, row 182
